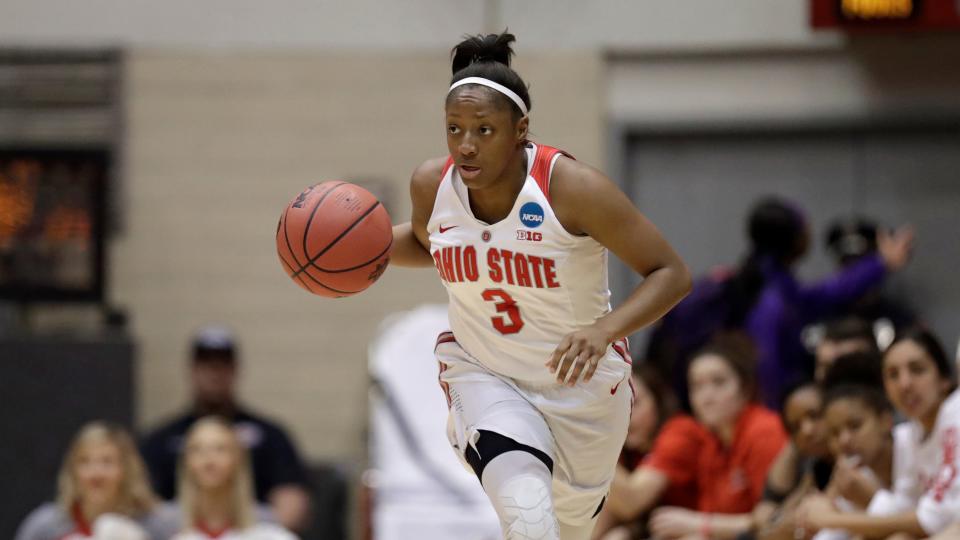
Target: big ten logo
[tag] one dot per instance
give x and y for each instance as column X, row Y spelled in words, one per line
column 529, row 236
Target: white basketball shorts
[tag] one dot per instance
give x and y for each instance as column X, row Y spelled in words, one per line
column 581, row 428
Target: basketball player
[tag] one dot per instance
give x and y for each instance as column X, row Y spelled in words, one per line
column 536, row 367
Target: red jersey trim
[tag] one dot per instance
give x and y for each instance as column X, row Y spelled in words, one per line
column 541, row 170
column 622, row 347
column 83, row 527
column 210, row 533
column 948, row 471
column 446, row 168
column 445, row 337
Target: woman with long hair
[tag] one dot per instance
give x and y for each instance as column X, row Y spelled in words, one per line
column 102, row 492
column 720, row 455
column 215, row 487
column 925, row 498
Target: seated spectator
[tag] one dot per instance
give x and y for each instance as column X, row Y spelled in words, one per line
column 763, row 297
column 841, row 337
column 653, row 404
column 280, row 478
column 804, row 464
column 720, row 456
column 862, row 439
column 102, row 492
column 926, row 489
column 216, row 488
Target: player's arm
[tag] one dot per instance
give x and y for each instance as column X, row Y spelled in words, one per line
column 587, row 202
column 411, row 243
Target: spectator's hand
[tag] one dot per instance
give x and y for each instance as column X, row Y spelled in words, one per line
column 578, row 352
column 853, row 483
column 672, row 522
column 812, row 514
column 895, row 247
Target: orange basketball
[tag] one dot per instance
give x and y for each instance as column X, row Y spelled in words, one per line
column 334, row 239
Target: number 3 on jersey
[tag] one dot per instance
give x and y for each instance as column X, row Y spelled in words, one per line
column 504, row 304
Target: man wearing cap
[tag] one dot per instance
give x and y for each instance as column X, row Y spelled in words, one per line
column 280, row 478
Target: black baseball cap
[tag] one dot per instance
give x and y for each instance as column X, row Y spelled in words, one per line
column 851, row 238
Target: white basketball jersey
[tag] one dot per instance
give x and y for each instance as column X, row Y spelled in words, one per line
column 517, row 286
column 929, row 476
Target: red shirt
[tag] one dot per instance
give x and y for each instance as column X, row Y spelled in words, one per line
column 719, row 479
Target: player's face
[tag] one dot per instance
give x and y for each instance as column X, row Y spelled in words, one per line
column 716, row 393
column 211, row 457
column 643, row 418
column 912, row 381
column 856, row 431
column 482, row 136
column 804, row 419
column 828, row 351
column 98, row 472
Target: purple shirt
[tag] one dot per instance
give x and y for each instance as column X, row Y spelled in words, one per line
column 785, row 306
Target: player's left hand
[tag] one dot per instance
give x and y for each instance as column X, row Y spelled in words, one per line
column 578, row 352
column 673, row 522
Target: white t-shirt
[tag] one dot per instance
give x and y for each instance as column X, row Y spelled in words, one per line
column 261, row 531
column 927, row 475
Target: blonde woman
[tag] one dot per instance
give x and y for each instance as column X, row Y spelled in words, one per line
column 102, row 492
column 215, row 488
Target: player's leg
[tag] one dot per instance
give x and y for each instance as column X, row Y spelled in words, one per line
column 505, row 441
column 518, row 480
column 589, row 424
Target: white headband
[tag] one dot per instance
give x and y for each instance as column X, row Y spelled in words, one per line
column 496, row 86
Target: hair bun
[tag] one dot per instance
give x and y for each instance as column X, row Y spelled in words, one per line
column 855, row 368
column 482, row 48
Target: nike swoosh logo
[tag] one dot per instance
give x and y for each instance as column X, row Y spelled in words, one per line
column 443, row 230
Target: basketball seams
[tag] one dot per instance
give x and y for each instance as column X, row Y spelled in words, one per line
column 297, row 274
column 286, row 236
column 361, row 265
column 283, row 223
column 306, row 228
column 301, row 271
column 306, row 232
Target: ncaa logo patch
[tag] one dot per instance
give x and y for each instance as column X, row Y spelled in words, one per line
column 531, row 215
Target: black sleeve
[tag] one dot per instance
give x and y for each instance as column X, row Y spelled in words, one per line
column 772, row 495
column 161, row 463
column 282, row 464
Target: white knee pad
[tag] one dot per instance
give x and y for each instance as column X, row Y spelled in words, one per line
column 519, row 486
